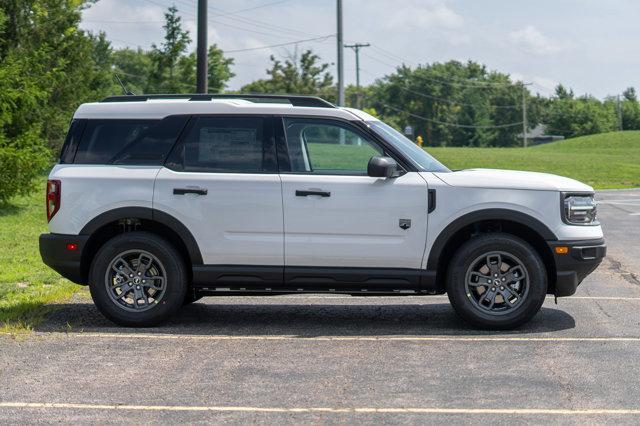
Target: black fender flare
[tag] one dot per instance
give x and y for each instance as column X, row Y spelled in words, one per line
column 479, row 216
column 148, row 214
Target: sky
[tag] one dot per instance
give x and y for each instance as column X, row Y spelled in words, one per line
column 588, row 45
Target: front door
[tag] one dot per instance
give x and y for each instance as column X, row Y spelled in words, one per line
column 336, row 217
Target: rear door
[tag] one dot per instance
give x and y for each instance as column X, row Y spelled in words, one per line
column 338, row 217
column 221, row 182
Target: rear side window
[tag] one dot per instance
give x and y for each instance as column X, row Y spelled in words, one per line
column 226, row 144
column 132, row 142
column 71, row 142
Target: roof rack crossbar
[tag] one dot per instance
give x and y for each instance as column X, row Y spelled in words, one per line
column 295, row 100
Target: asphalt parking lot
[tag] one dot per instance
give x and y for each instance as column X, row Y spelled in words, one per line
column 334, row 359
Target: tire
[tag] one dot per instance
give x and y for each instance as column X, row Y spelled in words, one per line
column 138, row 279
column 190, row 298
column 512, row 297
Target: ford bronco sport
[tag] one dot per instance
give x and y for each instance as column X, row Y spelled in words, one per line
column 159, row 200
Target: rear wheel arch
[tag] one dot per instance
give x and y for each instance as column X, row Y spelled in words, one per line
column 479, row 222
column 114, row 222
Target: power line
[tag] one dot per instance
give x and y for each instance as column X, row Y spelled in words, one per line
column 234, row 12
column 445, row 123
column 458, row 82
column 449, row 101
column 454, row 102
column 322, row 38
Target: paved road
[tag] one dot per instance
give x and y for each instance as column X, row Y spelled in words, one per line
column 333, row 359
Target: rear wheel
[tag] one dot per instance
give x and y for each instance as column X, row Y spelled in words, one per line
column 191, row 297
column 496, row 281
column 138, row 279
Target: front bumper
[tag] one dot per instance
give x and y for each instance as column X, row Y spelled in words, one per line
column 582, row 258
column 56, row 255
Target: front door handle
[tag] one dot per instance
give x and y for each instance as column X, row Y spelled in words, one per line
column 305, row 193
column 182, row 191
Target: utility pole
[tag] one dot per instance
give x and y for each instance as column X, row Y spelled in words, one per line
column 619, row 110
column 201, row 70
column 525, row 142
column 340, row 61
column 356, row 48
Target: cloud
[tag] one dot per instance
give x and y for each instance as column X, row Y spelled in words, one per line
column 543, row 85
column 424, row 14
column 531, row 40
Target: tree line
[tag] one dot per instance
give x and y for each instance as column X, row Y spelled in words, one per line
column 48, row 66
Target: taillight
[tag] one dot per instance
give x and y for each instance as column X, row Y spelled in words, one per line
column 53, row 197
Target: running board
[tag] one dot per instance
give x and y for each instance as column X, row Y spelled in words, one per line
column 309, row 279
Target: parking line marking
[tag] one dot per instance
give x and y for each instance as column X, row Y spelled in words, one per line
column 332, row 410
column 150, row 336
column 430, row 297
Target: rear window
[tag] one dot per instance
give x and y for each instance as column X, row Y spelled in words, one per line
column 133, row 142
column 226, row 145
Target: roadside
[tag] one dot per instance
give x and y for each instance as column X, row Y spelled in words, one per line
column 26, row 285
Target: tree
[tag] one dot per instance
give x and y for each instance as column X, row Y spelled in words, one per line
column 569, row 116
column 453, row 103
column 306, row 76
column 168, row 69
column 218, row 70
column 48, row 66
column 165, row 59
column 630, row 110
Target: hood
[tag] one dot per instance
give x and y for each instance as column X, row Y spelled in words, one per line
column 511, row 179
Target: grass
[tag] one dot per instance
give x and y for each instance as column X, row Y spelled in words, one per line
column 27, row 286
column 604, row 161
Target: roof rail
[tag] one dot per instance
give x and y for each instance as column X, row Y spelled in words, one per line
column 295, row 100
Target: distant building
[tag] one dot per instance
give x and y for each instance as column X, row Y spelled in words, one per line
column 538, row 135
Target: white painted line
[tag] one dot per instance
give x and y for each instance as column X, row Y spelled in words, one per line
column 279, row 338
column 620, row 203
column 422, row 298
column 629, row 299
column 332, row 410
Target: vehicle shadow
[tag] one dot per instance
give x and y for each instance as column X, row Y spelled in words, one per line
column 322, row 318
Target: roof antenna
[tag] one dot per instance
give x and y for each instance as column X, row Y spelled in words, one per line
column 124, row 88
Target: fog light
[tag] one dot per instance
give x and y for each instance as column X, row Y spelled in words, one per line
column 72, row 247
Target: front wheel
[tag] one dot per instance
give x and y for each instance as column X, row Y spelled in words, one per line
column 496, row 281
column 138, row 279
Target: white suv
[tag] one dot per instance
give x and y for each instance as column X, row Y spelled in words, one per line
column 160, row 200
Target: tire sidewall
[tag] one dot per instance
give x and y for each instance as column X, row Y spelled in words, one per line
column 471, row 250
column 176, row 279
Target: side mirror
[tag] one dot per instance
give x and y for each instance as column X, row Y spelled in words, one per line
column 383, row 167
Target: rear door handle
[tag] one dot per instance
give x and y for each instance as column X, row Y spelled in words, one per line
column 182, row 191
column 305, row 193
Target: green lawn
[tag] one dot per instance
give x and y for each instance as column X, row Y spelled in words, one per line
column 608, row 160
column 26, row 284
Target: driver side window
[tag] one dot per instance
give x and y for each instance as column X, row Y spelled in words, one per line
column 318, row 146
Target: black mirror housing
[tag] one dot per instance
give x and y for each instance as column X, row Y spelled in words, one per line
column 382, row 167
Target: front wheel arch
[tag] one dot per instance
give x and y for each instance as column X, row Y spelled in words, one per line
column 481, row 222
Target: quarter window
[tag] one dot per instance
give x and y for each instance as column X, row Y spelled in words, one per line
column 102, row 140
column 328, row 147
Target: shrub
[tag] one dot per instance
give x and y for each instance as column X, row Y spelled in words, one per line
column 21, row 161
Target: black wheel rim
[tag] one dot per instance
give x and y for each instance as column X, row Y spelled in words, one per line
column 136, row 280
column 497, row 283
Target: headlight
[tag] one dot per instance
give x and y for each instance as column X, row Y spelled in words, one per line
column 579, row 209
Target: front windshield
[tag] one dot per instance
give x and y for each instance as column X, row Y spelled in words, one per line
column 417, row 155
